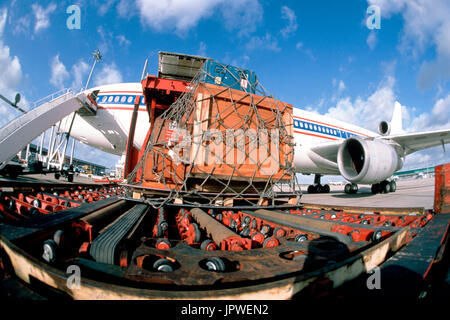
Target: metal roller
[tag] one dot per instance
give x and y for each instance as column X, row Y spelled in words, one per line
column 217, row 231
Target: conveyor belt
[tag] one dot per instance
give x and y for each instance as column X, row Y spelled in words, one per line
column 103, row 247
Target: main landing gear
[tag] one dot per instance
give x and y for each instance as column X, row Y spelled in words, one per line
column 351, row 188
column 317, row 187
column 384, row 187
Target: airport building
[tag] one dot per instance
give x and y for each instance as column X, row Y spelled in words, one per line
column 78, row 164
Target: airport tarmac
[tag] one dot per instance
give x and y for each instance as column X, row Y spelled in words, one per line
column 47, row 178
column 410, row 193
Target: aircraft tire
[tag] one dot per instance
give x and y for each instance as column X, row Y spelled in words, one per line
column 347, row 188
column 385, row 187
column 393, row 186
column 375, row 188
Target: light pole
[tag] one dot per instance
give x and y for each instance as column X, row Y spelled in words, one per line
column 14, row 105
column 16, row 101
column 98, row 58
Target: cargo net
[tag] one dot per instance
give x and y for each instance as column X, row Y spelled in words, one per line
column 220, row 145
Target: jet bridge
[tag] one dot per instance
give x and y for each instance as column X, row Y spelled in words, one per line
column 24, row 129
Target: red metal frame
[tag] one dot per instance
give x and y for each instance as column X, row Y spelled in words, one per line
column 159, row 95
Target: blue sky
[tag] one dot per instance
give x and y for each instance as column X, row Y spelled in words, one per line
column 316, row 55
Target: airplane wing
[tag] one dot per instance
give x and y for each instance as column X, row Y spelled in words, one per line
column 325, row 154
column 327, row 150
column 412, row 142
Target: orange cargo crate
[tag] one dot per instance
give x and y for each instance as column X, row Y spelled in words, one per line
column 442, row 188
column 223, row 134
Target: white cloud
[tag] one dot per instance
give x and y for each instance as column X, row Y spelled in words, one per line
column 11, row 70
column 125, row 9
column 426, row 25
column 367, row 112
column 372, row 40
column 341, row 86
column 3, row 15
column 80, row 71
column 202, row 49
column 339, row 89
column 242, row 16
column 437, row 119
column 22, row 25
column 301, row 48
column 268, row 42
column 59, row 73
column 104, row 6
column 180, row 16
column 107, row 39
column 123, row 41
column 289, row 15
column 42, row 16
column 10, row 76
column 242, row 61
column 427, row 158
column 109, row 74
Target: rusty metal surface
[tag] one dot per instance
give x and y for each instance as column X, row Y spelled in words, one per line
column 26, row 265
column 257, row 271
column 316, row 226
column 265, row 264
column 215, row 229
column 36, row 224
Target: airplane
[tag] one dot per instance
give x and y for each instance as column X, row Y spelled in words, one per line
column 323, row 145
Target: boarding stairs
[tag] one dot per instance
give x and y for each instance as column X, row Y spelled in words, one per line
column 16, row 135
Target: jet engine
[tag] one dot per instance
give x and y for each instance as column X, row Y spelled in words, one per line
column 384, row 128
column 367, row 161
